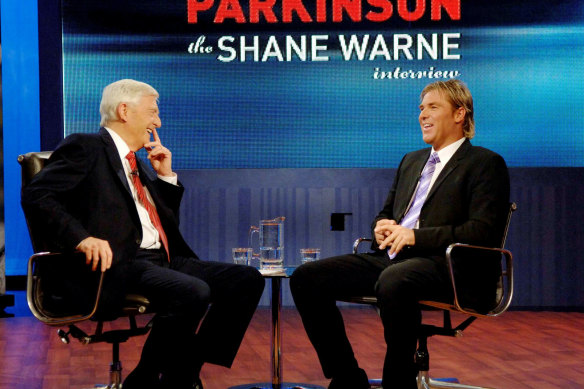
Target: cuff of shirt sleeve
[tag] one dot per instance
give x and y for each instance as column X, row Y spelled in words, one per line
column 169, row 179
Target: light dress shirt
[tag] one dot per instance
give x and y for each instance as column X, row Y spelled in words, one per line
column 150, row 236
column 444, row 155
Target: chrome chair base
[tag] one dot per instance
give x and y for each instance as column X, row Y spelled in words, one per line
column 425, row 382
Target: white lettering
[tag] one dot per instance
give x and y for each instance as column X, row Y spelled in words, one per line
column 232, row 53
column 354, row 45
column 446, row 46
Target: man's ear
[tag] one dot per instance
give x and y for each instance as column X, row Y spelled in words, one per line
column 459, row 114
column 122, row 111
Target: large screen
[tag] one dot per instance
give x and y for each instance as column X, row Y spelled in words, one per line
column 331, row 83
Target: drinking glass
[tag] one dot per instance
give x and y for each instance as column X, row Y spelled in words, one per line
column 309, row 255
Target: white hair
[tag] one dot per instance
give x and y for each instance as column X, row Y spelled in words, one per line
column 122, row 91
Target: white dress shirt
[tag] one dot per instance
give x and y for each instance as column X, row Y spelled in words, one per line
column 150, row 236
column 444, row 155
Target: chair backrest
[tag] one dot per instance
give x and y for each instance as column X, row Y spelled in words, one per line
column 51, row 295
column 30, row 165
column 512, row 208
column 505, row 284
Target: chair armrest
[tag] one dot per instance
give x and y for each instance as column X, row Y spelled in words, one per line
column 47, row 271
column 357, row 242
column 505, row 281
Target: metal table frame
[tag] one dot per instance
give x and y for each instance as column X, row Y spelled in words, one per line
column 276, row 352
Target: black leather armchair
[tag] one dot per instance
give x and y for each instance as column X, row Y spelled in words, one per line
column 62, row 290
column 456, row 254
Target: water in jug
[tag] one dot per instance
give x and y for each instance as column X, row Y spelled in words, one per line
column 271, row 243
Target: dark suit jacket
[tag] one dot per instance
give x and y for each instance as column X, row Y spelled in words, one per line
column 468, row 203
column 83, row 192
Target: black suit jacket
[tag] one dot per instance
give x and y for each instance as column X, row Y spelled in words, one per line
column 468, row 203
column 83, row 191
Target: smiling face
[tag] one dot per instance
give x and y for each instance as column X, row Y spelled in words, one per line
column 440, row 121
column 141, row 119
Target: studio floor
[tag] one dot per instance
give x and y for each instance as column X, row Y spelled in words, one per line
column 540, row 350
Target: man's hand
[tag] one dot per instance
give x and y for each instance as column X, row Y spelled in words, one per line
column 382, row 230
column 96, row 250
column 160, row 157
column 398, row 238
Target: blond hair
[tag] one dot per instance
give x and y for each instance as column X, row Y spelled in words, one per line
column 459, row 96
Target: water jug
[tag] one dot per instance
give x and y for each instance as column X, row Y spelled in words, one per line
column 271, row 243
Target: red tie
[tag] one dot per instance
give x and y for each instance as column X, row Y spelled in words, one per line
column 131, row 157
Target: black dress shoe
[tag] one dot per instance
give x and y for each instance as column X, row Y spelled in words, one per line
column 138, row 380
column 170, row 384
column 354, row 379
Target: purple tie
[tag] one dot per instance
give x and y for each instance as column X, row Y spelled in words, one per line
column 411, row 217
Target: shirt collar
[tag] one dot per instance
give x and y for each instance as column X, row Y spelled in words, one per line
column 447, row 152
column 121, row 145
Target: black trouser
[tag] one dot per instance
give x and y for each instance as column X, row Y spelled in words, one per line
column 180, row 292
column 316, row 286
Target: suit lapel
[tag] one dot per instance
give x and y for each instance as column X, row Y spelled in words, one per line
column 411, row 183
column 418, row 166
column 114, row 158
column 449, row 168
column 146, row 175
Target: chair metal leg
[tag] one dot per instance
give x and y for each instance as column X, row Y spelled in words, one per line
column 115, row 370
column 115, row 376
column 422, row 358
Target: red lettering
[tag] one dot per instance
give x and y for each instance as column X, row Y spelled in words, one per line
column 289, row 6
column 383, row 15
column 269, row 10
column 229, row 9
column 321, row 11
column 264, row 7
column 194, row 6
column 352, row 7
column 404, row 12
column 452, row 8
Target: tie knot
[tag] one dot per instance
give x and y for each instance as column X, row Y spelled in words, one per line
column 434, row 159
column 131, row 157
column 430, row 165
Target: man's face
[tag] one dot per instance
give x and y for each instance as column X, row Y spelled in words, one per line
column 441, row 123
column 142, row 119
